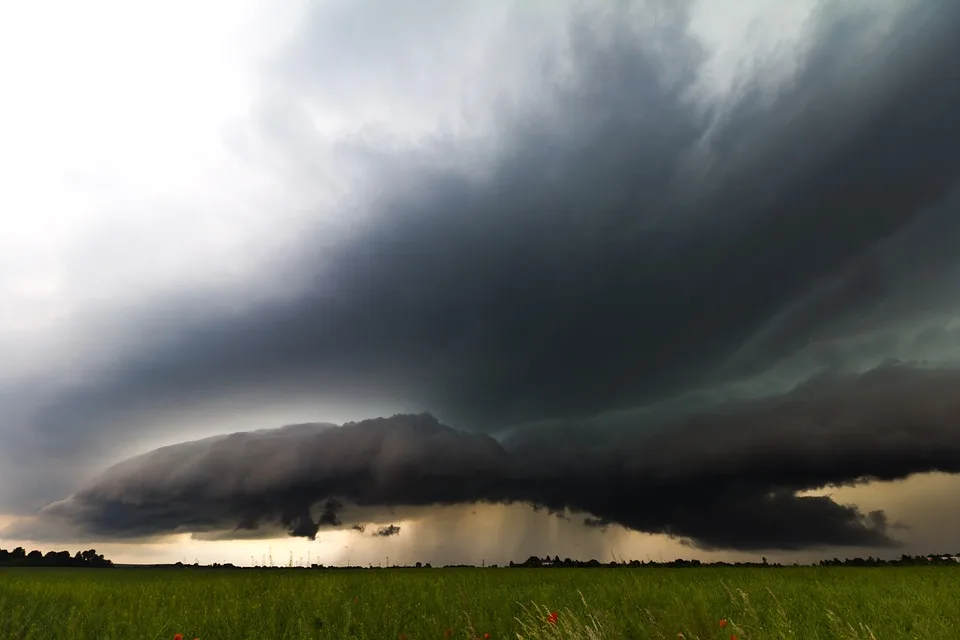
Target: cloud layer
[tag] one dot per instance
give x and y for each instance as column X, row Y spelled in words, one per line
column 622, row 279
column 726, row 479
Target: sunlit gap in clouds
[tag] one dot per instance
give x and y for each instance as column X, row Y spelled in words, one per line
column 491, row 534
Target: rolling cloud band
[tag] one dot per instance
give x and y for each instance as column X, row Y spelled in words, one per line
column 725, row 479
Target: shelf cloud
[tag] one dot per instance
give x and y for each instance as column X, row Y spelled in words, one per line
column 725, row 479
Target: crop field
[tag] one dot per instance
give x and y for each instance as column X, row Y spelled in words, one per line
column 423, row 604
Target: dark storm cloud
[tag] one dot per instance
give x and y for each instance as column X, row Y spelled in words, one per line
column 387, row 531
column 599, row 523
column 617, row 253
column 723, row 479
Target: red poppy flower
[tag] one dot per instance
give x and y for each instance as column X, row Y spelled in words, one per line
column 178, row 636
column 723, row 623
column 733, row 636
column 552, row 618
column 486, row 636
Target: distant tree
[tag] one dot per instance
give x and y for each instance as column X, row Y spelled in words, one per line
column 91, row 558
column 36, row 558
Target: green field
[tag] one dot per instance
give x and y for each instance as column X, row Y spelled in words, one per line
column 420, row 604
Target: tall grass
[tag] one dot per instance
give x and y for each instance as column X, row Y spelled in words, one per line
column 591, row 604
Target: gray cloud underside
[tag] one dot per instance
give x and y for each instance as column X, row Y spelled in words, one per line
column 725, row 479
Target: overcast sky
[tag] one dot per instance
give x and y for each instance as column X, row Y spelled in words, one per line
column 578, row 278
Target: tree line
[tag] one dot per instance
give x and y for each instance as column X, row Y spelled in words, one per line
column 555, row 561
column 19, row 557
column 547, row 561
column 91, row 559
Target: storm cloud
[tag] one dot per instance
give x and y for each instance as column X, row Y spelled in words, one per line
column 629, row 301
column 624, row 242
column 726, row 479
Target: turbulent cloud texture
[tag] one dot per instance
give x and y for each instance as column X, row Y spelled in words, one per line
column 670, row 312
column 725, row 479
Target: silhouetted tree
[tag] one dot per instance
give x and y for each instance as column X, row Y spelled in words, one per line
column 20, row 558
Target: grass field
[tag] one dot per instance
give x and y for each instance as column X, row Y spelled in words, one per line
column 788, row 603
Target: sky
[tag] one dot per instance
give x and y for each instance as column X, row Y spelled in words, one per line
column 338, row 282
